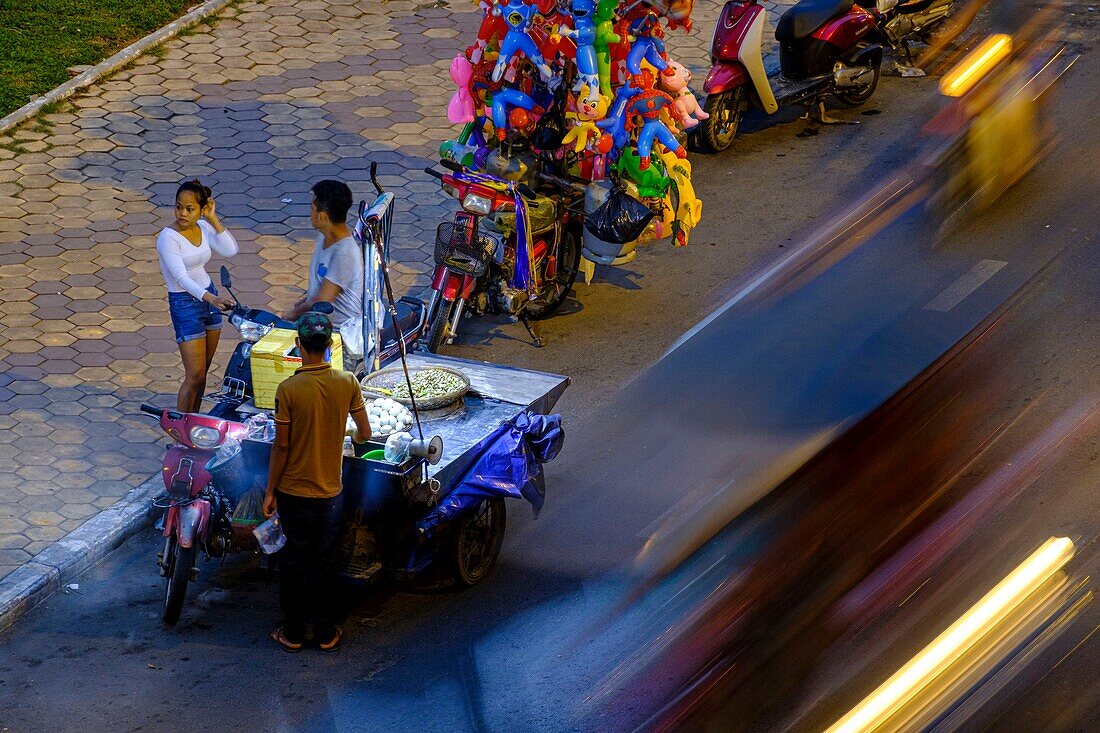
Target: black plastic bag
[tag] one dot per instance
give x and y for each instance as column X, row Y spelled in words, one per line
column 620, row 219
column 549, row 131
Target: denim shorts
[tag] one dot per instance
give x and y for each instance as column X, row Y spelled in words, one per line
column 192, row 318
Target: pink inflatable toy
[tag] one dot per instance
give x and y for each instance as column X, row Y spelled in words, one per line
column 685, row 107
column 461, row 108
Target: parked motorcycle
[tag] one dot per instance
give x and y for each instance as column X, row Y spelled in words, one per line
column 828, row 49
column 901, row 23
column 511, row 249
column 198, row 516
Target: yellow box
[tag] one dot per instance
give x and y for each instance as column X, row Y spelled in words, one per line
column 271, row 363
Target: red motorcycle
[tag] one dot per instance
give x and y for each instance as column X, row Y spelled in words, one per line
column 827, row 49
column 510, row 250
column 197, row 515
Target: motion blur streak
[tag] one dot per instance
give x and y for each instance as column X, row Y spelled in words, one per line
column 992, row 51
column 920, row 683
column 891, row 581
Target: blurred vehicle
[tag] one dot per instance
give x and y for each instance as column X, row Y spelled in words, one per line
column 994, row 125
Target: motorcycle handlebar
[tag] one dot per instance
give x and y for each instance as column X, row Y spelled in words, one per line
column 433, row 173
column 151, row 409
column 570, row 182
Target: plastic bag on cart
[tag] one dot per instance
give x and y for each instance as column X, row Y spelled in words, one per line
column 249, row 511
column 509, row 465
column 620, row 219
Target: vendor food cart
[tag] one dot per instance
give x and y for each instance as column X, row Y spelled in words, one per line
column 403, row 515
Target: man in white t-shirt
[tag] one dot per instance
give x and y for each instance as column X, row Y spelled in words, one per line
column 336, row 267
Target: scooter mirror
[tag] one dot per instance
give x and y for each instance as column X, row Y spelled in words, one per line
column 227, row 282
column 322, row 306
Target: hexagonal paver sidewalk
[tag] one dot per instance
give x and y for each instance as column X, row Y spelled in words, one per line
column 271, row 99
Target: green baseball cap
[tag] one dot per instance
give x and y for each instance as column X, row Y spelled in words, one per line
column 312, row 324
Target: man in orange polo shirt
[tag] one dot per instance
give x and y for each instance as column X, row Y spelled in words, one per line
column 304, row 484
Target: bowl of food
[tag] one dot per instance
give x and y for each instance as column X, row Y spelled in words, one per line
column 388, row 416
column 434, row 387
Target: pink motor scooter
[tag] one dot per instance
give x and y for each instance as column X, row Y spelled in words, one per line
column 827, row 49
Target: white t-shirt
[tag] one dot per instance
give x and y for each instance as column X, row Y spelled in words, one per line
column 184, row 265
column 341, row 264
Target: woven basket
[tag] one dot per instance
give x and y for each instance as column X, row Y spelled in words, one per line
column 383, row 381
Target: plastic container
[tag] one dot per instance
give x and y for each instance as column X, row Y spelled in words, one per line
column 272, row 362
column 375, row 455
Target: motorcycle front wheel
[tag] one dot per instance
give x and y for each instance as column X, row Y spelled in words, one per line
column 716, row 134
column 441, row 326
column 180, row 560
column 555, row 291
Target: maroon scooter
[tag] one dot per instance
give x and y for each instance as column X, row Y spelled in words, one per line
column 828, row 49
column 197, row 514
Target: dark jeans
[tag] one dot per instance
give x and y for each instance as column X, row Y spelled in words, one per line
column 307, row 564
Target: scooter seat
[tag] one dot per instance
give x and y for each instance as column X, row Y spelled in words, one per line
column 807, row 16
column 408, row 317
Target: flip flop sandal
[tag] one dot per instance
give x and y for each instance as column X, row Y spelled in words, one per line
column 284, row 643
column 334, row 643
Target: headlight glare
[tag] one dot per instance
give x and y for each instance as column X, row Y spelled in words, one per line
column 204, row 437
column 477, row 204
column 252, row 332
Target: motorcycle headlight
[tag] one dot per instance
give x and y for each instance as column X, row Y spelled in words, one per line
column 204, row 437
column 251, row 331
column 477, row 204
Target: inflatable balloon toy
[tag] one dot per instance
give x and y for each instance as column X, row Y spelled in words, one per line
column 583, row 34
column 649, row 104
column 504, row 100
column 685, row 107
column 461, row 110
column 466, row 148
column 492, row 26
column 648, row 45
column 678, row 12
column 651, row 181
column 584, row 127
column 519, row 15
column 605, row 38
column 689, row 211
column 615, row 122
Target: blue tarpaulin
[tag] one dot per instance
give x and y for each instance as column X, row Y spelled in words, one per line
column 509, row 464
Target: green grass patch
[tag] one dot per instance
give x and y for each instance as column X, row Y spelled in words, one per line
column 41, row 39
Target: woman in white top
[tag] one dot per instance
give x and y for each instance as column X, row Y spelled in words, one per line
column 193, row 301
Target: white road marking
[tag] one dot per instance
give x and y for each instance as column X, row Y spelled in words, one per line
column 957, row 291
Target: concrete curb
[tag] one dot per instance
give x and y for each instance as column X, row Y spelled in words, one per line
column 112, row 64
column 67, row 558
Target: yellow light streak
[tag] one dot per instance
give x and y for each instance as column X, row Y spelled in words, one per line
column 938, row 656
column 992, row 51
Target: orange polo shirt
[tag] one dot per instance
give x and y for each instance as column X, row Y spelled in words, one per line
column 315, row 402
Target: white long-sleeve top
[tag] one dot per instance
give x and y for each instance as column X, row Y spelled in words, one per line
column 184, row 265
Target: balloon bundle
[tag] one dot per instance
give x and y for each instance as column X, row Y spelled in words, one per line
column 590, row 85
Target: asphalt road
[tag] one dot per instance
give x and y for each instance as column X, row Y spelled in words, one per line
column 499, row 656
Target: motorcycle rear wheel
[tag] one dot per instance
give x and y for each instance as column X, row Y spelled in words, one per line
column 856, row 98
column 476, row 542
column 716, row 134
column 180, row 560
column 555, row 292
